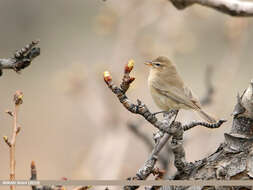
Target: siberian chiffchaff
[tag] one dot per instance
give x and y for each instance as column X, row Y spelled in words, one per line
column 169, row 91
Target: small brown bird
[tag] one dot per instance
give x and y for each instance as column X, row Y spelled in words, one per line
column 169, row 91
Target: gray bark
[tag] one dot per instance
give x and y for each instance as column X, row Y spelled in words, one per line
column 230, row 7
column 233, row 159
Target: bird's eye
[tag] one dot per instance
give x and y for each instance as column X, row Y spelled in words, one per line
column 158, row 64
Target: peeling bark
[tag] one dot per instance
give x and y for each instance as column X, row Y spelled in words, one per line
column 233, row 159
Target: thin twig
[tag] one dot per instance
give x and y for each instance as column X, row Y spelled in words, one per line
column 148, row 167
column 141, row 109
column 33, row 174
column 12, row 144
column 204, row 124
column 21, row 59
column 163, row 159
column 34, row 178
column 149, row 164
column 230, row 7
column 138, row 108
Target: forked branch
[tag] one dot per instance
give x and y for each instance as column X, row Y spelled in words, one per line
column 168, row 127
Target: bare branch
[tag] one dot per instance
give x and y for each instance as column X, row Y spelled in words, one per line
column 33, row 174
column 148, row 167
column 138, row 108
column 34, row 178
column 168, row 128
column 230, row 7
column 149, row 164
column 15, row 130
column 179, row 153
column 163, row 159
column 21, row 59
column 204, row 124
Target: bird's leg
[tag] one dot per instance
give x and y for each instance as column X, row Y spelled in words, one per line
column 175, row 113
column 172, row 111
column 164, row 112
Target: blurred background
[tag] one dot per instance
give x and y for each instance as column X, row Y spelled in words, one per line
column 72, row 124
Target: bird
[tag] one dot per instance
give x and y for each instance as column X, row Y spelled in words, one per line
column 169, row 91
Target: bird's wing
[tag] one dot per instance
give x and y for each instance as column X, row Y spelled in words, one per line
column 192, row 97
column 181, row 96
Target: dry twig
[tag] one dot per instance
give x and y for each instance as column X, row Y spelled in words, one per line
column 168, row 127
column 230, row 7
column 18, row 100
column 21, row 59
column 135, row 128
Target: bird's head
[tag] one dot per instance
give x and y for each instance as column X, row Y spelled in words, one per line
column 160, row 64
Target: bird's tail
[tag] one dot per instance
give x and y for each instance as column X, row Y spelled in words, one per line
column 206, row 116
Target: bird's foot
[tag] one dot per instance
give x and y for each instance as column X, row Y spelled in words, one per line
column 156, row 113
column 174, row 113
column 170, row 113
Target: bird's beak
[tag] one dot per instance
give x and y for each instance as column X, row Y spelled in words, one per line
column 148, row 63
